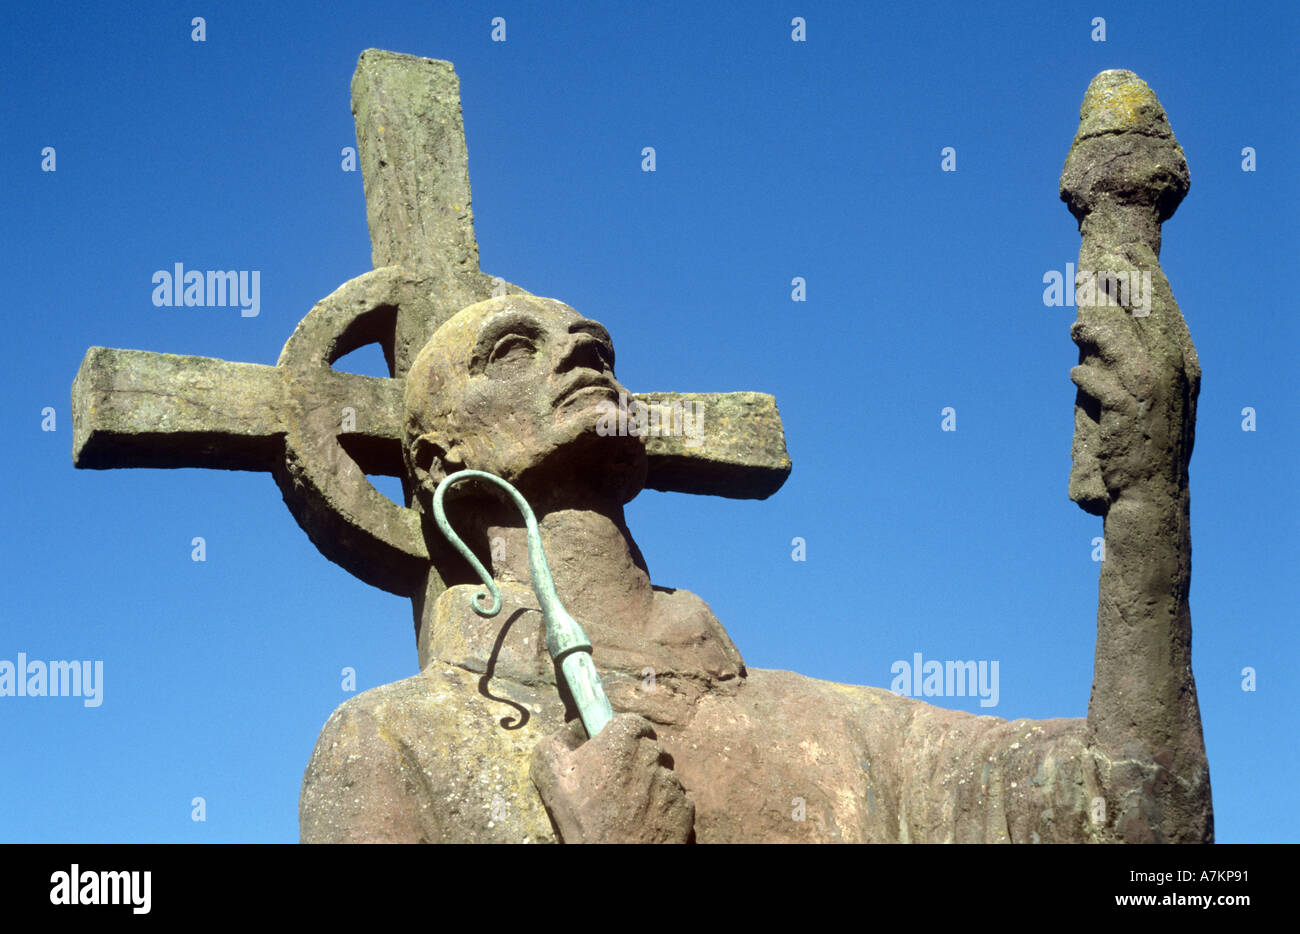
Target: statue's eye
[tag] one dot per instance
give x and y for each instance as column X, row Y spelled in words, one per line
column 512, row 347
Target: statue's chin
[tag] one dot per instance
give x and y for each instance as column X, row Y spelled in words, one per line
column 584, row 466
column 616, row 465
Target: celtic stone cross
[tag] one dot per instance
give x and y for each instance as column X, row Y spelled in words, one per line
column 320, row 431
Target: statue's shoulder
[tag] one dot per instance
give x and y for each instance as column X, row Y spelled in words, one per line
column 887, row 715
column 864, row 711
column 438, row 757
column 889, row 726
column 691, row 638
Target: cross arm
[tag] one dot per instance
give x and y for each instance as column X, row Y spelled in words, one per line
column 735, row 446
column 132, row 408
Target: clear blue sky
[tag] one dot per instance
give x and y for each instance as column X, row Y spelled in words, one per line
column 775, row 159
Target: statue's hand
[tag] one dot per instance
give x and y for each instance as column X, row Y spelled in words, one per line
column 616, row 788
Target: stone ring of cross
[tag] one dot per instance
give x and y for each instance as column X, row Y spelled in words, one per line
column 318, row 430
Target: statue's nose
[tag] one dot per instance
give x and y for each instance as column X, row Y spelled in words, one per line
column 583, row 350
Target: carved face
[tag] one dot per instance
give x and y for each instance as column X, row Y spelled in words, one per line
column 1134, row 413
column 1087, row 487
column 515, row 386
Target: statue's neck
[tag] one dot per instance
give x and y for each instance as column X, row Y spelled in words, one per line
column 602, row 580
column 1113, row 226
column 598, row 570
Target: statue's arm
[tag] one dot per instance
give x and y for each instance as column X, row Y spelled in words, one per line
column 968, row 779
column 360, row 787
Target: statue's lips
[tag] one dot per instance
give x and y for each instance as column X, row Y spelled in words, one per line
column 592, row 387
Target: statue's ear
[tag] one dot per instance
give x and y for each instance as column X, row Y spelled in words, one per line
column 431, row 462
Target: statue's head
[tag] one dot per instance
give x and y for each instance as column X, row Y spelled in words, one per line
column 1124, row 154
column 514, row 386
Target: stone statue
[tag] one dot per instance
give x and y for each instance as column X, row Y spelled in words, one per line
column 1134, row 424
column 482, row 744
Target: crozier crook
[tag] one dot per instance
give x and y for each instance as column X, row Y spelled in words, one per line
column 565, row 639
